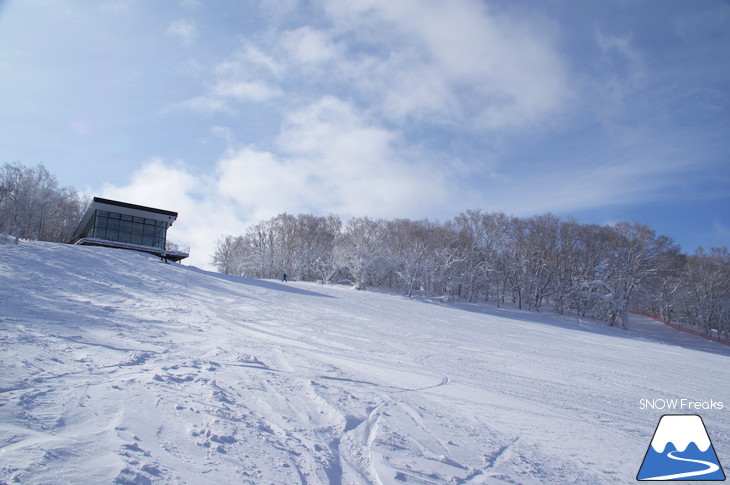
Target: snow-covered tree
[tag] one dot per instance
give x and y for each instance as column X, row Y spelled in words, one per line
column 707, row 299
column 361, row 250
column 34, row 206
column 301, row 246
column 476, row 253
column 228, row 253
column 596, row 271
column 410, row 247
column 634, row 258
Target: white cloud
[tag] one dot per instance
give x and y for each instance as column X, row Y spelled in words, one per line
column 245, row 91
column 330, row 159
column 202, row 216
column 157, row 184
column 309, row 46
column 451, row 62
column 435, row 63
column 242, row 77
column 184, row 30
column 362, row 167
column 247, row 60
column 408, row 63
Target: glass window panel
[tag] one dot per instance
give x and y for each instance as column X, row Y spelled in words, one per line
column 89, row 229
column 114, row 215
column 125, row 217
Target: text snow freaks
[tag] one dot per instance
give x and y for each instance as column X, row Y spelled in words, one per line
column 680, row 404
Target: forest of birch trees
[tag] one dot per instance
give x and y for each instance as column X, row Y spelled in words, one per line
column 601, row 272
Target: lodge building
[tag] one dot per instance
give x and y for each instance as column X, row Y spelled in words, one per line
column 122, row 225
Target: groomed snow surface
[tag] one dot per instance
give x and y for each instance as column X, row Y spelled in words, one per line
column 117, row 368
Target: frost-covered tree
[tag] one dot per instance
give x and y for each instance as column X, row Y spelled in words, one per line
column 707, row 297
column 597, row 271
column 301, row 246
column 411, row 245
column 361, row 250
column 635, row 253
column 476, row 253
column 566, row 264
column 541, row 241
column 665, row 290
column 311, row 243
column 227, row 256
column 34, row 206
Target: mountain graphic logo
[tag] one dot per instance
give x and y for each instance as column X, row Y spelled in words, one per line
column 681, row 450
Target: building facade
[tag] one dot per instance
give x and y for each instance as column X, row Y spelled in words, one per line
column 129, row 226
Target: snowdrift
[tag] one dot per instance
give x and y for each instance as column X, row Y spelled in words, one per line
column 117, row 368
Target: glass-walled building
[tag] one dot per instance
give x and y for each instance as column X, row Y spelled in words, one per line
column 119, row 224
column 125, row 228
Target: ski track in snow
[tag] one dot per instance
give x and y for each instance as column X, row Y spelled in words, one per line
column 711, row 468
column 119, row 369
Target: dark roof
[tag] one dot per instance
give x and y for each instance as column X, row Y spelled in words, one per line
column 135, row 206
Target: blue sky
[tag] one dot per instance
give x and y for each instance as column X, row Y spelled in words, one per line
column 230, row 112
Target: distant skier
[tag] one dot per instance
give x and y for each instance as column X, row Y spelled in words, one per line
column 283, row 278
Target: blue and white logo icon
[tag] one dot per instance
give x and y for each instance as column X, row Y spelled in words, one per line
column 681, row 450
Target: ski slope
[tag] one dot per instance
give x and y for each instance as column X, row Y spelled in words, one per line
column 116, row 368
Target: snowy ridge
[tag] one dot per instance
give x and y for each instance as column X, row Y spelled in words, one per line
column 116, row 368
column 680, row 430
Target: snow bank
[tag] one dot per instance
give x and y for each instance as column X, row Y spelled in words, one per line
column 117, row 368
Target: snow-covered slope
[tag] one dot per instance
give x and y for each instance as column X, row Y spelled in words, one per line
column 116, row 368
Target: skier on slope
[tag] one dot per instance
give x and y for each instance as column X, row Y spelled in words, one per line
column 283, row 278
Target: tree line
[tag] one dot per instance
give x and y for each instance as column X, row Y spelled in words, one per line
column 34, row 206
column 597, row 271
